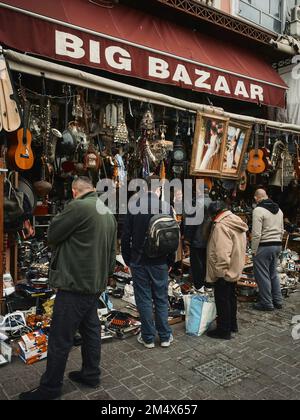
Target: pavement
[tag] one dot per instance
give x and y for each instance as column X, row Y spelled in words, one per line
column 262, row 362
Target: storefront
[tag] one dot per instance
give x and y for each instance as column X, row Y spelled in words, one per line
column 81, row 123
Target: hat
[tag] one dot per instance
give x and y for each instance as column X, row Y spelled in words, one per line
column 217, row 207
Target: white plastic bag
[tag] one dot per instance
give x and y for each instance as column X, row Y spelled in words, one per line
column 200, row 313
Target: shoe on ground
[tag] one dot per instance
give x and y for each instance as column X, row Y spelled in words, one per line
column 235, row 330
column 278, row 306
column 261, row 308
column 166, row 344
column 147, row 345
column 219, row 335
column 77, row 377
column 38, row 395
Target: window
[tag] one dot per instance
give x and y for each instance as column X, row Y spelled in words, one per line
column 266, row 13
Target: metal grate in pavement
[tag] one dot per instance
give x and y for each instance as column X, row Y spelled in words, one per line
column 220, row 372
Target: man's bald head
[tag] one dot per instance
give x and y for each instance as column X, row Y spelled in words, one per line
column 260, row 195
column 81, row 186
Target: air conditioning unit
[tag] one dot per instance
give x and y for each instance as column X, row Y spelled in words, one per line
column 295, row 22
column 295, row 14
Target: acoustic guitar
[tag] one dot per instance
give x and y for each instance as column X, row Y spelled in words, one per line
column 256, row 164
column 20, row 154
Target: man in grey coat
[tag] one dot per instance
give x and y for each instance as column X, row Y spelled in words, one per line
column 267, row 235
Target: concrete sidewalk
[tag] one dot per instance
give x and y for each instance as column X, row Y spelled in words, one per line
column 261, row 362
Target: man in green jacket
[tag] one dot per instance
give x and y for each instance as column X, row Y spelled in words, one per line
column 83, row 238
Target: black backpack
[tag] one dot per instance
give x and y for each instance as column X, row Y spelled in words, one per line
column 163, row 236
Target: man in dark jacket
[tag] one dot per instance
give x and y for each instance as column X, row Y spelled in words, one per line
column 196, row 237
column 150, row 275
column 83, row 238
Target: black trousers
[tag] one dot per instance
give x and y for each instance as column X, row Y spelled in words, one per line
column 226, row 302
column 198, row 266
column 72, row 312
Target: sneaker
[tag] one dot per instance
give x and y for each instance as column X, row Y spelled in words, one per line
column 261, row 308
column 166, row 344
column 278, row 306
column 77, row 377
column 38, row 395
column 147, row 345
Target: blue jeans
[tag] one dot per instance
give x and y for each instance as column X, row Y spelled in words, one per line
column 266, row 275
column 151, row 287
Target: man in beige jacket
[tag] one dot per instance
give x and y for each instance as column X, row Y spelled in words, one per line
column 267, row 235
column 225, row 263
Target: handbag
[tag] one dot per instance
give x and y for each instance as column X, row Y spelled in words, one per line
column 13, row 209
column 200, row 313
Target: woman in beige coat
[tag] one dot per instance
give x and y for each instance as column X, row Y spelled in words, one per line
column 225, row 263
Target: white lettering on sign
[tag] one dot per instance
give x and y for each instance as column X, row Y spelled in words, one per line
column 181, row 75
column 124, row 60
column 241, row 90
column 200, row 81
column 257, row 92
column 69, row 45
column 95, row 52
column 158, row 68
column 222, row 85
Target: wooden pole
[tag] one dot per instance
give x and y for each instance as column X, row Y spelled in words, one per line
column 2, row 174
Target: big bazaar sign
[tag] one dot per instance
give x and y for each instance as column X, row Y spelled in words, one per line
column 116, row 58
column 137, row 55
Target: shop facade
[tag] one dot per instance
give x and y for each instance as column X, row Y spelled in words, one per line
column 68, row 64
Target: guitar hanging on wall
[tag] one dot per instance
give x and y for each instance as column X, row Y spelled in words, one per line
column 256, row 164
column 9, row 113
column 20, row 154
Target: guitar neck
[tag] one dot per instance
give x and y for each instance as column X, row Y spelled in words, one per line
column 26, row 115
column 256, row 139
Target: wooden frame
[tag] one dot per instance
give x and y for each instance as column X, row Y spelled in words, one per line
column 234, row 149
column 219, row 147
column 210, row 136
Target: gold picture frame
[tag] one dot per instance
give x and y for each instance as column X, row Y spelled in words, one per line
column 209, row 140
column 234, row 149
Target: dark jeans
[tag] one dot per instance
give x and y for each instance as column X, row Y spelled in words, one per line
column 266, row 276
column 72, row 312
column 151, row 287
column 198, row 266
column 226, row 303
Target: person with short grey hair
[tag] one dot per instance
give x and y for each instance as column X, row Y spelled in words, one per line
column 267, row 235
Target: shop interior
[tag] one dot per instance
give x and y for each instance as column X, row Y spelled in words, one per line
column 51, row 132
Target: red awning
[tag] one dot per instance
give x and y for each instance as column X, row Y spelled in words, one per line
column 130, row 42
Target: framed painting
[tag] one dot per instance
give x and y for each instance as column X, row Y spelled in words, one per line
column 210, row 136
column 234, row 149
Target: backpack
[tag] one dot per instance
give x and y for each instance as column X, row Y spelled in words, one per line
column 163, row 236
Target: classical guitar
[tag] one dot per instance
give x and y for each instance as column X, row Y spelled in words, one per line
column 20, row 154
column 9, row 111
column 256, row 164
column 297, row 160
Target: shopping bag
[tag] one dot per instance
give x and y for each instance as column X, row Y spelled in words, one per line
column 200, row 313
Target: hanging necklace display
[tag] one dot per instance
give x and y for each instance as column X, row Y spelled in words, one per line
column 162, row 147
column 148, row 125
column 111, row 116
column 121, row 132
